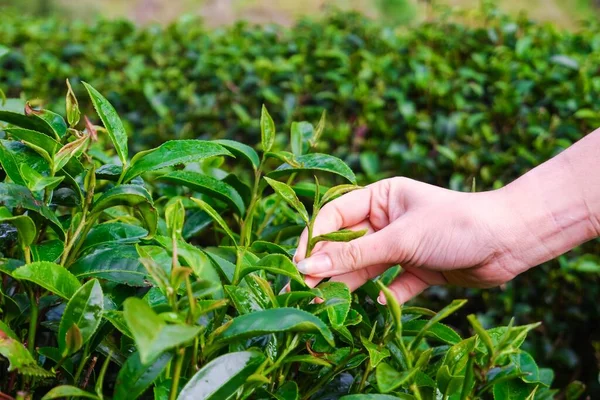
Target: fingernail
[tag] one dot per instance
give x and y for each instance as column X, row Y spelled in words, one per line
column 381, row 299
column 315, row 264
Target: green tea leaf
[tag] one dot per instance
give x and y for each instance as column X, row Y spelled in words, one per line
column 36, row 182
column 289, row 196
column 316, row 162
column 119, row 264
column 45, row 142
column 319, row 129
column 274, row 320
column 275, row 264
column 244, row 150
column 435, row 331
column 513, row 389
column 84, row 310
column 216, row 217
column 69, row 151
column 174, row 218
column 222, row 377
column 26, row 229
column 301, row 132
column 63, row 391
column 113, row 232
column 117, row 319
column 171, row 153
column 56, row 123
column 482, row 333
column 288, row 391
column 444, row 312
column 336, row 192
column 50, row 276
column 135, row 377
column 389, row 379
column 209, row 186
column 31, row 122
column 13, row 195
column 267, row 130
column 151, row 334
column 112, row 122
column 340, row 294
column 130, row 196
column 72, row 106
column 448, row 384
column 19, row 358
column 344, row 235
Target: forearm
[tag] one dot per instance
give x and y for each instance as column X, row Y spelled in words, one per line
column 557, row 203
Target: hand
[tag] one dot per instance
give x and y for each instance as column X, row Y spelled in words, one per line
column 438, row 236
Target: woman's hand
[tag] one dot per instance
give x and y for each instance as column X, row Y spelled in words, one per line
column 438, row 236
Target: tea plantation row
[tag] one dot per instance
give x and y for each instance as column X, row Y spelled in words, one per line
column 443, row 102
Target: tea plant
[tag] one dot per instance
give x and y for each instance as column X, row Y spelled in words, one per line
column 164, row 275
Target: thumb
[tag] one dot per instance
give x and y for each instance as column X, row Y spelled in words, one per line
column 382, row 247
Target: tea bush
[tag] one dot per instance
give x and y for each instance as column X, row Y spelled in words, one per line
column 443, row 102
column 164, row 275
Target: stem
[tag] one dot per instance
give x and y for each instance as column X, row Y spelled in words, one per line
column 327, row 377
column 249, row 216
column 82, row 363
column 27, row 253
column 195, row 354
column 33, row 320
column 177, row 374
column 363, row 381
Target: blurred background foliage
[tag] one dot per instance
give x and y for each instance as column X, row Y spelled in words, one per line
column 414, row 88
column 565, row 13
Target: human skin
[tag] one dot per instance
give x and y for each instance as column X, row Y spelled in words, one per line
column 442, row 237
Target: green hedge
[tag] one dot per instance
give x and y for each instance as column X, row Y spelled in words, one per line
column 442, row 102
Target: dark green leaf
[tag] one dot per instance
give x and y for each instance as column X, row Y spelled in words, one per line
column 112, row 122
column 316, row 162
column 222, row 377
column 436, row 331
column 113, row 232
column 26, row 229
column 13, row 195
column 50, row 276
column 117, row 319
column 135, row 377
column 574, row 390
column 400, row 396
column 216, row 217
column 389, row 379
column 172, row 153
column 274, row 320
column 28, row 122
column 275, row 264
column 209, row 186
column 238, row 148
column 45, row 142
column 444, row 312
column 119, row 264
column 84, row 310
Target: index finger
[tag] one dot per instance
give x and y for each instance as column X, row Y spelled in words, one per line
column 347, row 210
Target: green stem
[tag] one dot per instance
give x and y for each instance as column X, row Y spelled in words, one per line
column 84, row 360
column 363, row 381
column 177, row 374
column 33, row 320
column 327, row 377
column 244, row 226
column 195, row 355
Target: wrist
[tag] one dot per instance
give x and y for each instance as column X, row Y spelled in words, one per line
column 549, row 213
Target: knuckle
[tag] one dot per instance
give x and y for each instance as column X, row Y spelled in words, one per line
column 351, row 256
